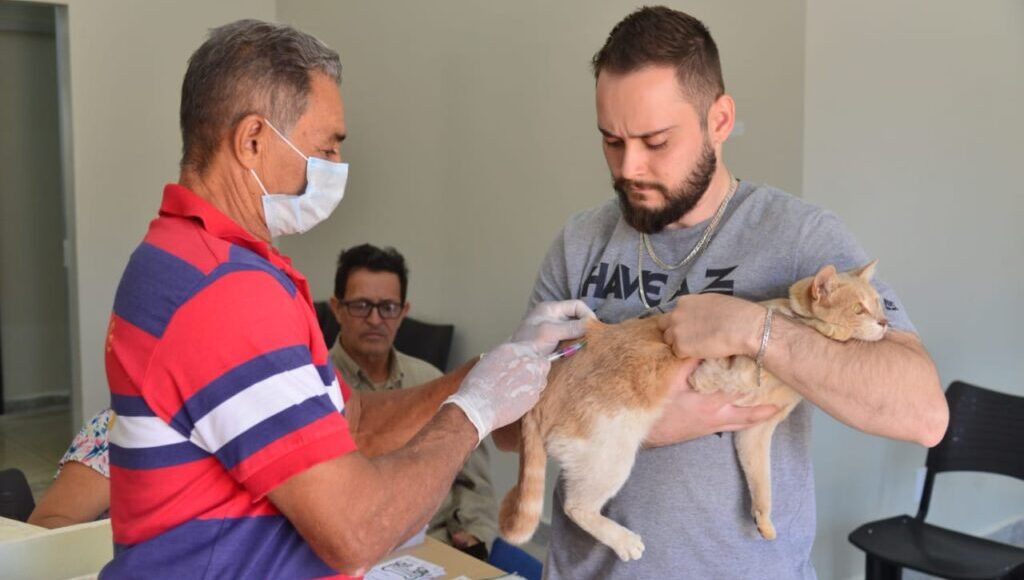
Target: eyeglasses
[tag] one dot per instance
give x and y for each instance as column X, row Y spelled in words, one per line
column 363, row 308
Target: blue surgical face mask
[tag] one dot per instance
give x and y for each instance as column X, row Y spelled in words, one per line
column 294, row 214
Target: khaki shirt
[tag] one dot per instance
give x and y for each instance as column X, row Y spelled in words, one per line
column 471, row 505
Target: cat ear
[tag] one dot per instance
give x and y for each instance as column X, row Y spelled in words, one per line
column 867, row 271
column 824, row 282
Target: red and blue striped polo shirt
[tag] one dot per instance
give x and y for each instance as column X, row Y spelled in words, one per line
column 223, row 389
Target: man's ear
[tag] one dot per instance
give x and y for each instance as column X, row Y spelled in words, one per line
column 248, row 140
column 336, row 308
column 721, row 119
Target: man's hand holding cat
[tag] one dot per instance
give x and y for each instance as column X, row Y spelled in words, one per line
column 713, row 326
column 688, row 414
column 508, row 381
column 708, row 326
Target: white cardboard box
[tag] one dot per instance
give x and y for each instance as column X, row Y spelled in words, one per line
column 78, row 551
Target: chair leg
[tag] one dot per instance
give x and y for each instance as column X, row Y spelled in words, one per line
column 875, row 569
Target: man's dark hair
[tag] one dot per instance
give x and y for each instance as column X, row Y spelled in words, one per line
column 660, row 36
column 374, row 259
column 247, row 67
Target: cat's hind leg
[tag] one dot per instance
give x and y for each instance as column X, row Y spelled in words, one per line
column 594, row 470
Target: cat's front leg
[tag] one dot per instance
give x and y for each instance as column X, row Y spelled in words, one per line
column 753, row 448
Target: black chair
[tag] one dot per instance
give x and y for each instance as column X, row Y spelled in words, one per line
column 328, row 324
column 430, row 342
column 16, row 501
column 984, row 435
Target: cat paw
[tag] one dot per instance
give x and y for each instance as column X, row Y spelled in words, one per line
column 628, row 546
column 702, row 381
column 765, row 526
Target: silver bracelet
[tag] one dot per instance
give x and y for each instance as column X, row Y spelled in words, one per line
column 759, row 359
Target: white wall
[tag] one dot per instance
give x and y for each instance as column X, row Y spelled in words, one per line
column 33, row 289
column 913, row 136
column 472, row 137
column 127, row 60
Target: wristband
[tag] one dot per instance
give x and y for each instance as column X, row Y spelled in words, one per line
column 759, row 359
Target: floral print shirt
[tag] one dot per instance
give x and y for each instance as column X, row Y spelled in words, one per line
column 90, row 445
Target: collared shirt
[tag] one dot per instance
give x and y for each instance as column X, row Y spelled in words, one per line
column 223, row 390
column 403, row 371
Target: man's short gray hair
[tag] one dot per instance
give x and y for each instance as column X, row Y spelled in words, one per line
column 247, row 67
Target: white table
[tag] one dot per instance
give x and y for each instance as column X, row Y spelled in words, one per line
column 15, row 530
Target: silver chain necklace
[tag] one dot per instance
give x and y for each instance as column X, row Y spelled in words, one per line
column 697, row 249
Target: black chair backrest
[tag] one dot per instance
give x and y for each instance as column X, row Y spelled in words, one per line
column 430, row 342
column 16, row 501
column 328, row 324
column 984, row 435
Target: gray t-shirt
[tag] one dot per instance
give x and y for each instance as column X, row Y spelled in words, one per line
column 690, row 502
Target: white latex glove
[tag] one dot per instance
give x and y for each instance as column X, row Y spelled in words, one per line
column 508, row 381
column 502, row 387
column 552, row 322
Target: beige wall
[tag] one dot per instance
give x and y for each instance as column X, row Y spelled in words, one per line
column 126, row 63
column 913, row 136
column 33, row 288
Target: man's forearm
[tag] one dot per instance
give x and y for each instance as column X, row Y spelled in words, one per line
column 333, row 504
column 382, row 422
column 443, row 446
column 474, row 505
column 889, row 388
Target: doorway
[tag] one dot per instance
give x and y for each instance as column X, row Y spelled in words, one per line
column 35, row 336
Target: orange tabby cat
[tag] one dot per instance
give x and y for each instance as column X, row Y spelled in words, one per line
column 600, row 404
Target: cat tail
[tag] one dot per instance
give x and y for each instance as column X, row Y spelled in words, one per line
column 521, row 508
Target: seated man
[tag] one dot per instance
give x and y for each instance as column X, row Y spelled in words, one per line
column 369, row 303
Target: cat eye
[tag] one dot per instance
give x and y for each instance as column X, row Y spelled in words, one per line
column 858, row 309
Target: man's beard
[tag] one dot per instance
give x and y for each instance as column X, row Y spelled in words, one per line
column 677, row 202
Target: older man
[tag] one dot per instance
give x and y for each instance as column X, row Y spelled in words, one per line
column 370, row 289
column 234, row 452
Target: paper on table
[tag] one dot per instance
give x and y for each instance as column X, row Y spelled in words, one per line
column 405, row 568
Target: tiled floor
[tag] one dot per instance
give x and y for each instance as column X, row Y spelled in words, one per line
column 34, row 442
